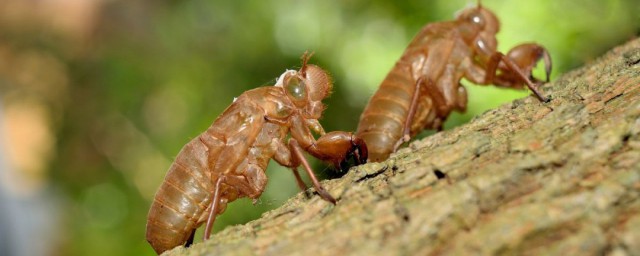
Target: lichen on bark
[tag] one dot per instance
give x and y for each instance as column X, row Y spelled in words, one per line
column 557, row 178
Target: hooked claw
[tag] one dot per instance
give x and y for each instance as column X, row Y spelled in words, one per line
column 515, row 68
column 338, row 147
column 527, row 55
column 358, row 152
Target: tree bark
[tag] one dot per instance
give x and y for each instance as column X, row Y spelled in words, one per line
column 557, row 178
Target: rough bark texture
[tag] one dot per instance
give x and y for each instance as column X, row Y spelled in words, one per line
column 560, row 178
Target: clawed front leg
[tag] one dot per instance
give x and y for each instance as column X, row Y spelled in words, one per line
column 517, row 67
column 526, row 56
column 512, row 70
column 512, row 75
column 296, row 152
column 338, row 147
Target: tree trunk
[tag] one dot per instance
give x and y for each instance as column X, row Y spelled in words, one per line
column 559, row 178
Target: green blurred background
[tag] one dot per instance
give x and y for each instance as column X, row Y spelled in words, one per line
column 97, row 96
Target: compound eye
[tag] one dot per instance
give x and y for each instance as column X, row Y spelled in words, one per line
column 296, row 88
column 477, row 18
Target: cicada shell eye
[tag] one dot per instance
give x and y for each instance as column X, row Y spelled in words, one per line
column 477, row 19
column 481, row 18
column 296, row 89
column 318, row 82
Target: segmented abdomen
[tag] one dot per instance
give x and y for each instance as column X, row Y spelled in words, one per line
column 182, row 198
column 382, row 121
